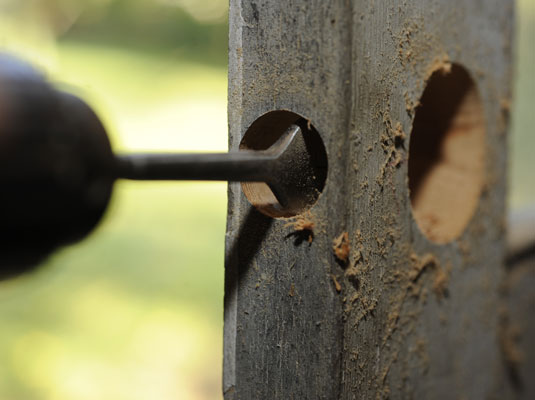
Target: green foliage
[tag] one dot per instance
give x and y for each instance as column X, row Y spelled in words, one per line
column 193, row 29
column 154, row 28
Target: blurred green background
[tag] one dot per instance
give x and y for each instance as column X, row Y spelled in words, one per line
column 136, row 311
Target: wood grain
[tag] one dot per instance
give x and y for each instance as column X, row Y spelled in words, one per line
column 404, row 317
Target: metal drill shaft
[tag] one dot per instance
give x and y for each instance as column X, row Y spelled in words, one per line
column 285, row 166
column 242, row 166
column 245, row 166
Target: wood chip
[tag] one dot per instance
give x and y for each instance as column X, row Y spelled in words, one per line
column 341, row 247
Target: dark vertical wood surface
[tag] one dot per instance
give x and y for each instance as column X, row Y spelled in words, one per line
column 357, row 69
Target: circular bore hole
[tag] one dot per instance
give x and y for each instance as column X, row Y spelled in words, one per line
column 447, row 154
column 261, row 135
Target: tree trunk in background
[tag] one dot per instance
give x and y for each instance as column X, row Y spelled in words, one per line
column 413, row 312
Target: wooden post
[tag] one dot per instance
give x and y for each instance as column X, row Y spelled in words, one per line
column 411, row 99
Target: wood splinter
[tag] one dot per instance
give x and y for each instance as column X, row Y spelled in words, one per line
column 341, row 247
column 303, row 224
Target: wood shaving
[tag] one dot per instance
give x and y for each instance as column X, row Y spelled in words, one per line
column 341, row 247
column 337, row 285
column 303, row 223
column 440, row 283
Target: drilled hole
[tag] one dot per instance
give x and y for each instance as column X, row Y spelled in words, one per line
column 447, row 154
column 261, row 135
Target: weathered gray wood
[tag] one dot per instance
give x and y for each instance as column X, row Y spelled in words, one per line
column 412, row 318
column 521, row 232
column 283, row 317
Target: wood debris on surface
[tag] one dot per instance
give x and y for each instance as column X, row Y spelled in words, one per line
column 303, row 224
column 341, row 247
column 337, row 285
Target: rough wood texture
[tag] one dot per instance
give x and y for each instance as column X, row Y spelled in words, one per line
column 404, row 317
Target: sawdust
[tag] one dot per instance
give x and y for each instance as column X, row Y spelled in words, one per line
column 440, row 283
column 420, row 264
column 341, row 247
column 399, row 135
column 368, row 306
column 303, row 223
column 441, row 64
column 337, row 285
column 351, row 274
column 441, row 278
